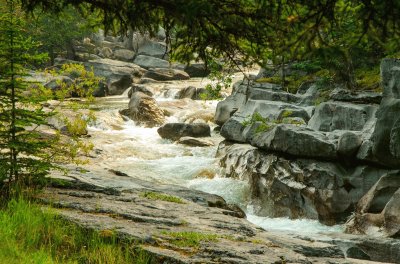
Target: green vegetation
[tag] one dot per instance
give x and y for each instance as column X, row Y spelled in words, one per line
column 31, row 234
column 24, row 157
column 264, row 124
column 162, row 197
column 190, row 239
column 27, row 154
column 220, row 80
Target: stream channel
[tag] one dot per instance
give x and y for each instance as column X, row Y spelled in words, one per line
column 140, row 152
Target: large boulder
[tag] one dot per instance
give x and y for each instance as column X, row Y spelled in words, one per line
column 124, row 55
column 176, row 131
column 330, row 116
column 163, row 74
column 296, row 141
column 226, row 108
column 150, row 62
column 235, row 127
column 386, row 139
column 144, row 110
column 153, row 49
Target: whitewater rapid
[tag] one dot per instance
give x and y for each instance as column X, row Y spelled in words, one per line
column 142, row 153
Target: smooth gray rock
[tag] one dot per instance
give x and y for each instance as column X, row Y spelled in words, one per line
column 176, row 131
column 348, row 145
column 226, row 108
column 330, row 116
column 153, row 48
column 150, row 62
column 233, row 130
column 163, row 74
column 124, row 55
column 297, row 141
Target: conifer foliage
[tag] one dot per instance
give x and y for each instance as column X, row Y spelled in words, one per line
column 23, row 155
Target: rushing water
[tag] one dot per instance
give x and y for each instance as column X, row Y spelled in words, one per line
column 142, row 153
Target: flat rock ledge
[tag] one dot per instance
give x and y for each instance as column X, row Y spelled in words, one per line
column 135, row 216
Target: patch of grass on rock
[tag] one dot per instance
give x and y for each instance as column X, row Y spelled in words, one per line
column 189, row 238
column 162, row 197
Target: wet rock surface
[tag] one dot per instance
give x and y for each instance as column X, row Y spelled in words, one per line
column 176, row 131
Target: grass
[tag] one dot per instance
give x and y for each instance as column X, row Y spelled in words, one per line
column 162, row 197
column 32, row 235
column 190, row 239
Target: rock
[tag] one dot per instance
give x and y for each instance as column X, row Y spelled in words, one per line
column 162, row 74
column 391, row 216
column 124, row 55
column 226, row 108
column 117, row 74
column 378, row 211
column 195, row 142
column 390, row 73
column 297, row 141
column 348, row 145
column 57, row 82
column 190, row 92
column 118, row 85
column 176, row 131
column 79, row 56
column 197, row 70
column 345, row 95
column 297, row 188
column 385, row 137
column 106, row 52
column 148, row 62
column 140, row 88
column 153, row 223
column 113, row 44
column 153, row 49
column 144, row 109
column 330, row 116
column 271, row 95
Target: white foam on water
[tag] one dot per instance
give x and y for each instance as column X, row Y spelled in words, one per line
column 297, row 226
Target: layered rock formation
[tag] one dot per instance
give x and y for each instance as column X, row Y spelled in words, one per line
column 316, row 161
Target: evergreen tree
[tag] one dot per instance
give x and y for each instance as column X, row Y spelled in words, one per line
column 24, row 160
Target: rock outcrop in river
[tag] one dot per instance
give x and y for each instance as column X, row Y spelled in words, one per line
column 323, row 162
